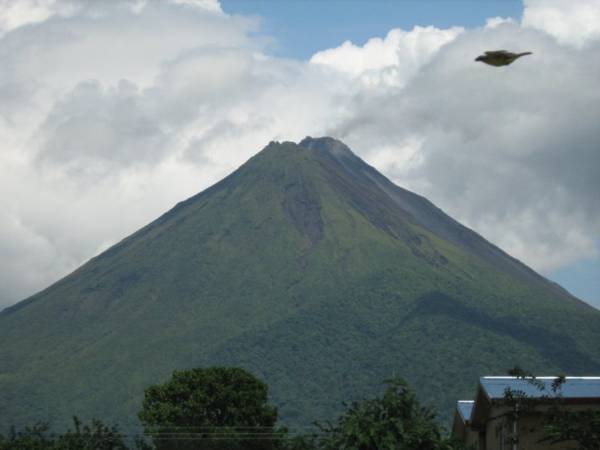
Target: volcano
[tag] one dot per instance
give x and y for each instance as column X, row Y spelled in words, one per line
column 307, row 267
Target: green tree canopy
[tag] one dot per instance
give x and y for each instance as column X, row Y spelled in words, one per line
column 93, row 436
column 210, row 408
column 396, row 421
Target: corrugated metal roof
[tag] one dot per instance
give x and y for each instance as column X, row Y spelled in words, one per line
column 464, row 408
column 573, row 387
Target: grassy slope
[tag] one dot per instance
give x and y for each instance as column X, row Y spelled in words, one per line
column 279, row 270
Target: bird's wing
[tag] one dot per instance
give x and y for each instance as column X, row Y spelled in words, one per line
column 496, row 52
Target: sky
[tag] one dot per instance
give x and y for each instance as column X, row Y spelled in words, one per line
column 304, row 27
column 112, row 112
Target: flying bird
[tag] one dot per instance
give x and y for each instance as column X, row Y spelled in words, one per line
column 500, row 57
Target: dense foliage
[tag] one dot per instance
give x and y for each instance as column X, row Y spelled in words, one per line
column 93, row 436
column 395, row 421
column 226, row 409
column 208, row 409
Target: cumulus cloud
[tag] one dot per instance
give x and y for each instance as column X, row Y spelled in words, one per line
column 493, row 22
column 18, row 13
column 95, row 132
column 88, row 146
column 571, row 23
column 111, row 112
column 18, row 242
column 210, row 5
column 392, row 60
column 15, row 14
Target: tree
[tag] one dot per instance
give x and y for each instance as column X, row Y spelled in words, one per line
column 395, row 421
column 34, row 437
column 209, row 409
column 95, row 436
column 581, row 427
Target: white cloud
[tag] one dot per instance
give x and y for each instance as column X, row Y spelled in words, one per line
column 570, row 22
column 114, row 112
column 18, row 13
column 210, row 5
column 19, row 270
column 494, row 22
column 392, row 60
column 95, row 132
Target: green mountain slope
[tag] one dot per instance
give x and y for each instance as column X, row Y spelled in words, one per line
column 307, row 267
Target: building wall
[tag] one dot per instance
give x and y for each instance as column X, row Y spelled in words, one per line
column 463, row 432
column 499, row 430
column 471, row 438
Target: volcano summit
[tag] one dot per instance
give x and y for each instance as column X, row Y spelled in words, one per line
column 307, row 267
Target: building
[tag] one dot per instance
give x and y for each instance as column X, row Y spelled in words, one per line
column 494, row 421
column 461, row 426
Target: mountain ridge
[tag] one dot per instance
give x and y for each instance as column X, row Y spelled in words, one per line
column 307, row 267
column 410, row 203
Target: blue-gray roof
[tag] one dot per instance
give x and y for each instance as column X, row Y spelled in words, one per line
column 573, row 387
column 464, row 408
